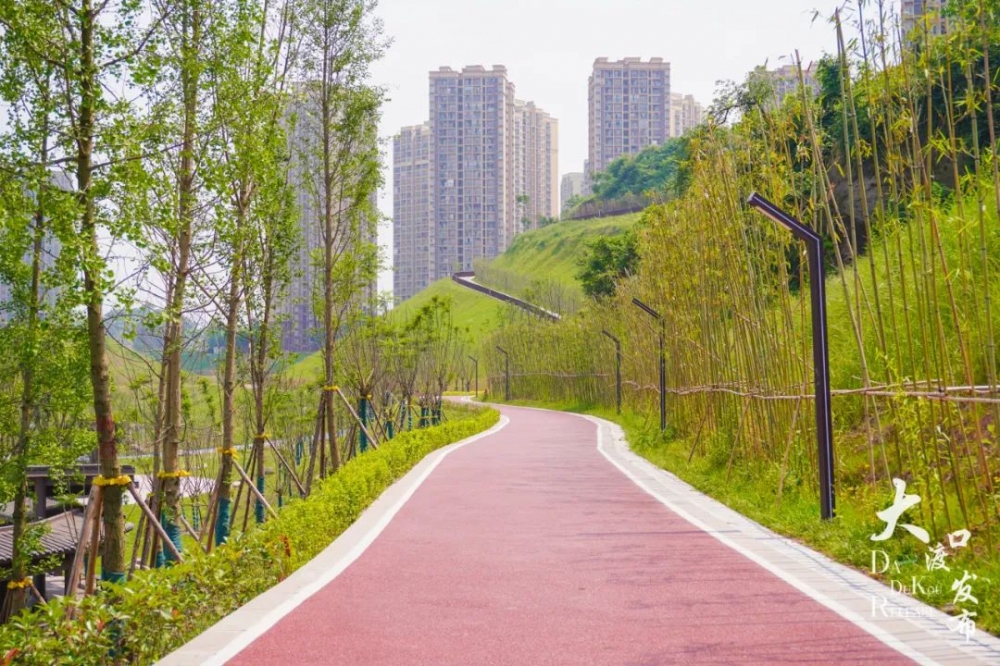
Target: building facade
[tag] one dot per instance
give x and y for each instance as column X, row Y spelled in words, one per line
column 302, row 330
column 536, row 163
column 51, row 248
column 685, row 114
column 472, row 170
column 488, row 165
column 913, row 12
column 413, row 242
column 784, row 81
column 629, row 109
column 572, row 186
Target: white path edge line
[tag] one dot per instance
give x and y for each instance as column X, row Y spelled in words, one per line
column 252, row 633
column 806, row 589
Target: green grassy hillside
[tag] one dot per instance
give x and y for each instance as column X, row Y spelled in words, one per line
column 470, row 309
column 550, row 253
column 547, row 254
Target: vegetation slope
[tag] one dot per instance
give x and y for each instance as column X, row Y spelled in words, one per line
column 545, row 259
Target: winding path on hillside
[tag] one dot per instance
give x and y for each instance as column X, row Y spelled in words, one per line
column 468, row 279
column 546, row 542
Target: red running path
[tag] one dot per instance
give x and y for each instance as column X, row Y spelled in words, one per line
column 529, row 547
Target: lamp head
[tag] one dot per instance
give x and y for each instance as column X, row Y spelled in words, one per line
column 650, row 311
column 799, row 230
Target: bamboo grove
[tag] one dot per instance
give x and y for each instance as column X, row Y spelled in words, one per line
column 156, row 165
column 894, row 163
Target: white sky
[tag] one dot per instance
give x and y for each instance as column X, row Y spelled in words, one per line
column 549, row 47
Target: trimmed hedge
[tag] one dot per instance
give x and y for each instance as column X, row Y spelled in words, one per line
column 161, row 609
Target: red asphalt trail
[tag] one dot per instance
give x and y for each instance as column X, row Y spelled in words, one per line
column 529, row 547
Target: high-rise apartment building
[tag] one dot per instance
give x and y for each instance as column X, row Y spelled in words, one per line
column 629, row 108
column 414, row 241
column 51, row 247
column 299, row 322
column 572, row 186
column 490, row 172
column 536, row 160
column 685, row 114
column 913, row 11
column 784, row 81
column 472, row 168
column 301, row 327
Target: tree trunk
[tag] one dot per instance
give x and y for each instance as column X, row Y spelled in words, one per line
column 190, row 43
column 16, row 597
column 113, row 553
column 330, row 333
column 260, row 378
column 228, row 406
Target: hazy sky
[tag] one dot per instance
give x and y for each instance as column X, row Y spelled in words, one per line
column 549, row 47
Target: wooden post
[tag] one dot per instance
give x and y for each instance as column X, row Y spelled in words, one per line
column 358, row 419
column 246, row 507
column 154, row 522
column 213, row 512
column 95, row 540
column 38, row 593
column 288, row 468
column 190, row 530
column 73, row 580
column 140, row 528
column 253, row 488
column 41, row 496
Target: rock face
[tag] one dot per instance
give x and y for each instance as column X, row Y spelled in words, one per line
column 852, row 207
column 866, row 195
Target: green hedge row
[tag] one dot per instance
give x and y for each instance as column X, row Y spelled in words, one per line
column 159, row 610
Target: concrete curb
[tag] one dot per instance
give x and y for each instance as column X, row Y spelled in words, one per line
column 913, row 628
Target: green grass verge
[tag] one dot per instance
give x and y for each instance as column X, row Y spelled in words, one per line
column 159, row 610
column 795, row 514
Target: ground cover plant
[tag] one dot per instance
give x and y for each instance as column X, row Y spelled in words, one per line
column 160, row 609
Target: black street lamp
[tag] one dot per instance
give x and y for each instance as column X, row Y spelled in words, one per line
column 663, row 362
column 506, row 372
column 618, row 369
column 476, row 361
column 821, row 354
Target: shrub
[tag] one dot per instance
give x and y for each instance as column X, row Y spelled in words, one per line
column 159, row 610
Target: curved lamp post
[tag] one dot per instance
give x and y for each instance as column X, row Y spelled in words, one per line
column 618, row 369
column 663, row 363
column 821, row 354
column 506, row 373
